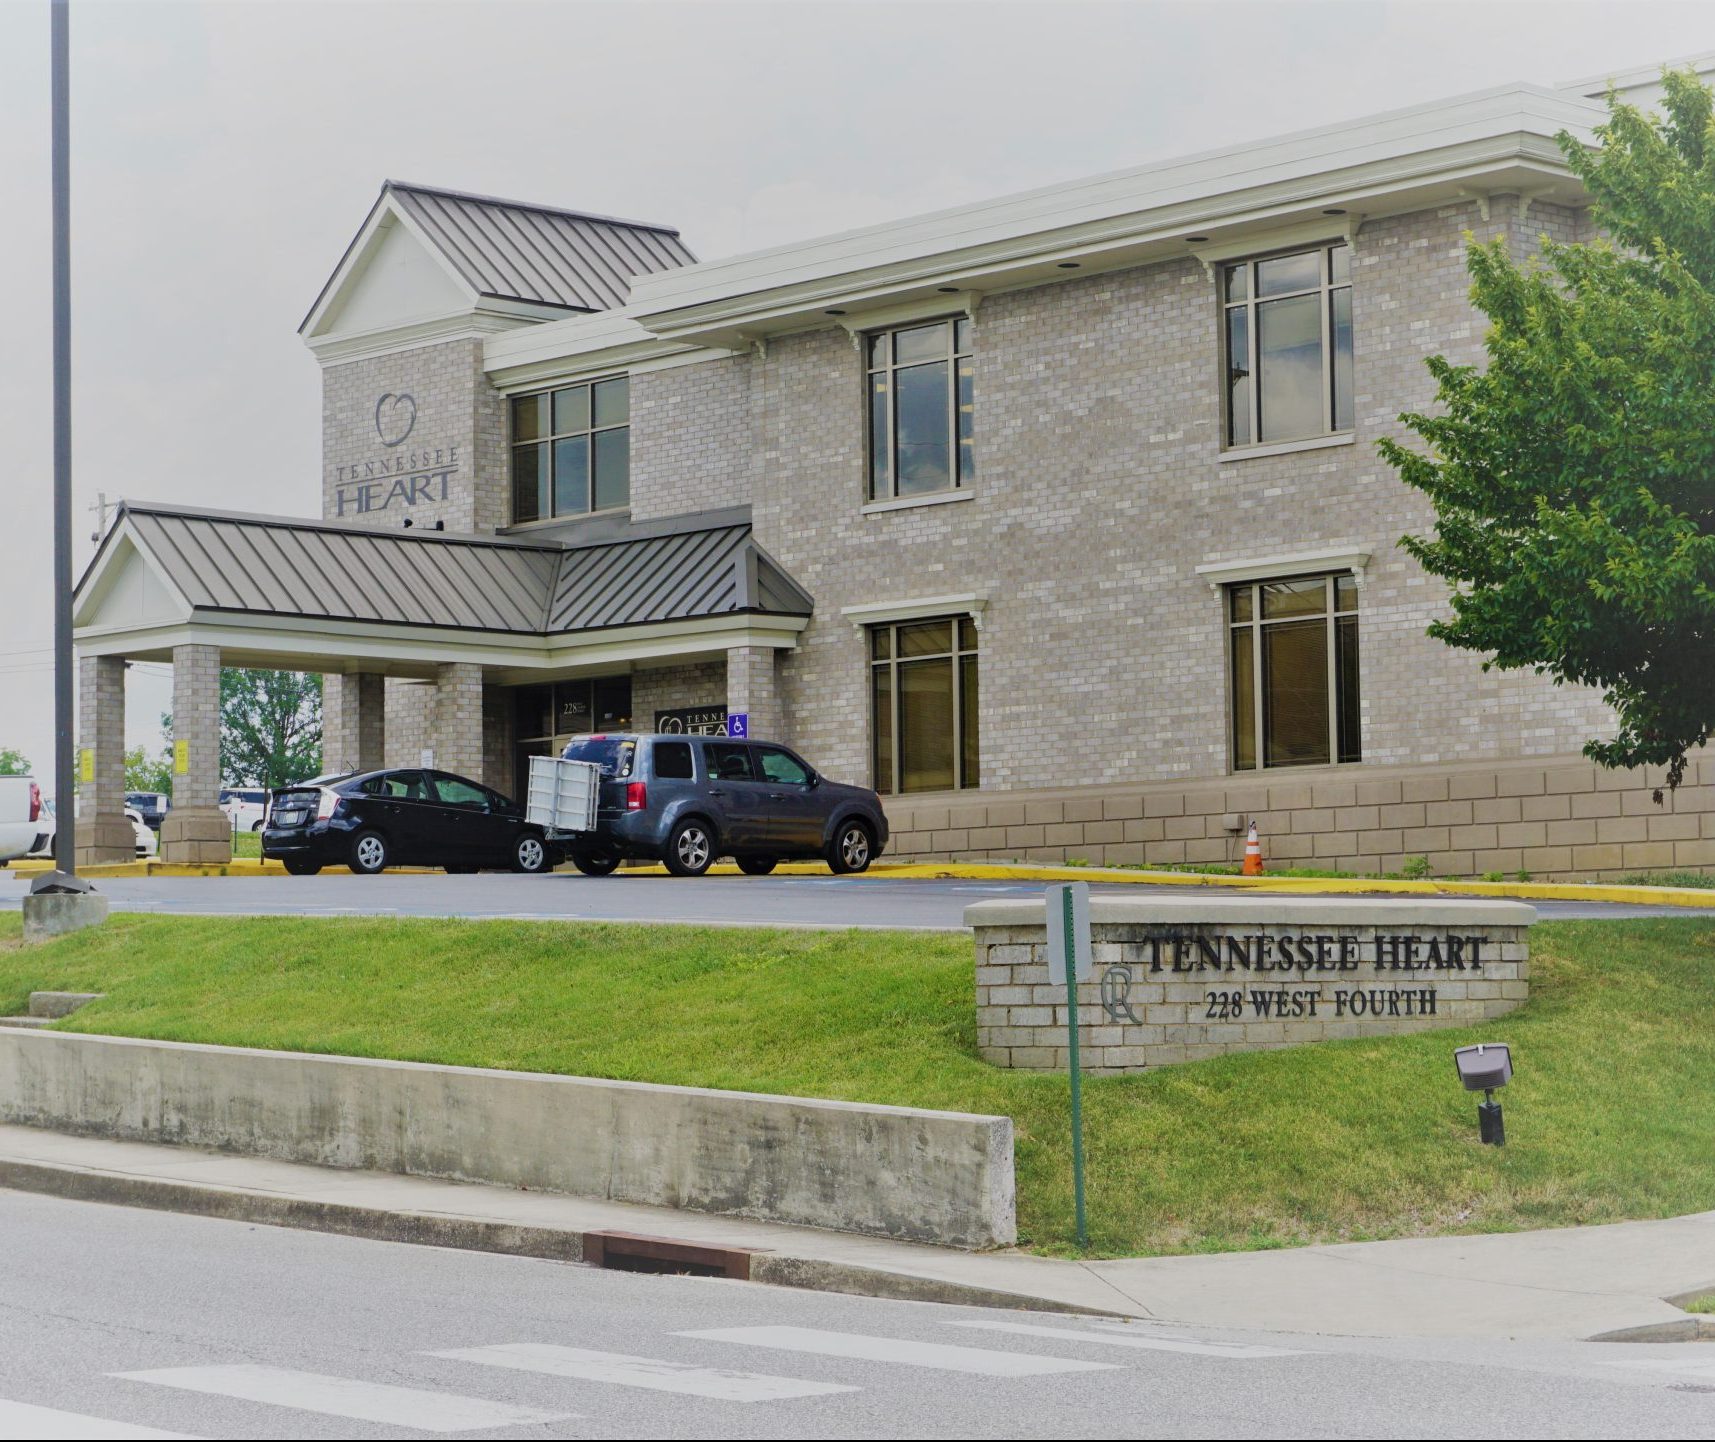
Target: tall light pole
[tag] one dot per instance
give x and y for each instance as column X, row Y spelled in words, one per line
column 64, row 877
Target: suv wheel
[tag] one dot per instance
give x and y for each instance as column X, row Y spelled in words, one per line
column 691, row 848
column 302, row 868
column 851, row 849
column 595, row 865
column 757, row 865
column 368, row 853
column 529, row 855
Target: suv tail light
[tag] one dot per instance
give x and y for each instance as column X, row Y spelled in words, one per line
column 35, row 802
column 328, row 804
column 636, row 796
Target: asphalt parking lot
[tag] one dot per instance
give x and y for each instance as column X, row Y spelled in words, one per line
column 822, row 901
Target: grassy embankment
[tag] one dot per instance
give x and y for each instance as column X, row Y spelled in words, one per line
column 1607, row 1117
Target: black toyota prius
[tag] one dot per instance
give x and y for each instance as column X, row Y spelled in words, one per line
column 371, row 820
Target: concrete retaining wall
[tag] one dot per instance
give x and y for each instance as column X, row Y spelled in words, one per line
column 1180, row 978
column 927, row 1176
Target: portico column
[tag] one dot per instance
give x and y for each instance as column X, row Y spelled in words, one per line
column 455, row 719
column 751, row 691
column 354, row 720
column 196, row 830
column 103, row 833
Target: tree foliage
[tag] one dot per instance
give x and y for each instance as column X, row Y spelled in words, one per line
column 1573, row 476
column 149, row 773
column 14, row 763
column 270, row 727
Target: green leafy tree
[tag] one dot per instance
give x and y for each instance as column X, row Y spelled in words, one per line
column 14, row 763
column 1573, row 476
column 270, row 727
column 146, row 773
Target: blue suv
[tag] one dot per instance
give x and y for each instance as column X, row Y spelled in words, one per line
column 684, row 800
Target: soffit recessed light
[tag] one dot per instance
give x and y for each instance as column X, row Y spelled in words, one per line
column 948, row 289
column 1334, row 210
column 833, row 312
column 1195, row 239
column 1068, row 265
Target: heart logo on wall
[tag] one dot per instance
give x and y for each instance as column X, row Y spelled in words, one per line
column 394, row 418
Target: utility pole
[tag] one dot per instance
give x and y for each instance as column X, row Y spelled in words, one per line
column 64, row 877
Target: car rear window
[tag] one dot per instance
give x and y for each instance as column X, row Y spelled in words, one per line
column 673, row 760
column 612, row 753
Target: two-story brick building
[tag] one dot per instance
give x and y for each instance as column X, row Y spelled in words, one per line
column 1057, row 517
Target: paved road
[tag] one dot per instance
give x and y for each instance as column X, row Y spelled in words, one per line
column 722, row 900
column 115, row 1321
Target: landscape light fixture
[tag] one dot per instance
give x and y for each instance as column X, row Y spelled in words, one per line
column 1486, row 1068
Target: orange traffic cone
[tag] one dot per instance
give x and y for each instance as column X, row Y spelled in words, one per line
column 1253, row 854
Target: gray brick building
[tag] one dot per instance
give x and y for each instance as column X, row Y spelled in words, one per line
column 1057, row 518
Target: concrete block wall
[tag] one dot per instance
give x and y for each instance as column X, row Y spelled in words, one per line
column 103, row 833
column 1179, row 979
column 353, row 722
column 692, row 442
column 1560, row 818
column 456, row 719
column 663, row 688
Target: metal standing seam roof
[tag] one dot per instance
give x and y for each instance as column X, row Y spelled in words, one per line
column 278, row 566
column 516, row 251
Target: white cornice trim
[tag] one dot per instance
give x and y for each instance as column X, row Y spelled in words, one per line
column 475, row 324
column 1272, row 568
column 921, row 608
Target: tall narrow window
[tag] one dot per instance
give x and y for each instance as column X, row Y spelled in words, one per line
column 1286, row 346
column 923, row 700
column 1293, row 671
column 571, row 450
column 921, row 409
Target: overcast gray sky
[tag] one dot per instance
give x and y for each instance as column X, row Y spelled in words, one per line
column 225, row 153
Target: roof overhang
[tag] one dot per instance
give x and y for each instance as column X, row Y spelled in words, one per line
column 1495, row 142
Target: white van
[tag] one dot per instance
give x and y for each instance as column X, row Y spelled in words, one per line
column 22, row 819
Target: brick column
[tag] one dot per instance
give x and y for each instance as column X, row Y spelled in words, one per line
column 751, row 690
column 196, row 830
column 354, row 710
column 103, row 833
column 455, row 719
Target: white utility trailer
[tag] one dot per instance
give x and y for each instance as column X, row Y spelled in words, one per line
column 563, row 795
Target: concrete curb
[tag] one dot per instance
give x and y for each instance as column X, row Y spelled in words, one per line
column 428, row 1229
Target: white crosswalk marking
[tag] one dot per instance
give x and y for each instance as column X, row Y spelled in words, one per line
column 20, row 1419
column 1132, row 1338
column 907, row 1354
column 347, row 1397
column 649, row 1372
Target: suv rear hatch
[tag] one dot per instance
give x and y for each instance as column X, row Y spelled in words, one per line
column 617, row 758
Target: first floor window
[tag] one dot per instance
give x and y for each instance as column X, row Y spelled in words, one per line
column 571, row 450
column 1293, row 648
column 921, row 410
column 546, row 717
column 1287, row 346
column 923, row 705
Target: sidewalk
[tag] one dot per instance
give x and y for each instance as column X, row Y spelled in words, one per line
column 1565, row 1285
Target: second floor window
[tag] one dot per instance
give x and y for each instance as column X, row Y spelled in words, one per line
column 571, row 450
column 920, row 410
column 1287, row 346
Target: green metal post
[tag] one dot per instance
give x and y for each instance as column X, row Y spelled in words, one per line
column 1071, row 953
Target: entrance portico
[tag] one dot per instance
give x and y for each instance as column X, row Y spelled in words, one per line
column 454, row 623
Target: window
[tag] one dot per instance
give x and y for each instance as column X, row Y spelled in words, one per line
column 729, row 763
column 781, row 766
column 672, row 760
column 920, row 410
column 548, row 716
column 923, row 705
column 1286, row 340
column 571, row 450
column 455, row 791
column 1293, row 649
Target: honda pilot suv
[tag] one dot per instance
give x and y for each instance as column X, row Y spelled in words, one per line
column 684, row 800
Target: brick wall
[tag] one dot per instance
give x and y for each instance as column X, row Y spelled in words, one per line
column 692, row 441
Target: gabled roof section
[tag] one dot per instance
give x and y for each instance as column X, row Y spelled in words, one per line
column 541, row 258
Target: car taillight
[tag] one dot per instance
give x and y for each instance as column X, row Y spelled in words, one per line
column 35, row 802
column 328, row 804
column 636, row 796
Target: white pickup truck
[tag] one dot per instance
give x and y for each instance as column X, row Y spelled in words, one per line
column 22, row 817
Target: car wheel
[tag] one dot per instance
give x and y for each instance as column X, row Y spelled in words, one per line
column 691, row 848
column 529, row 855
column 595, row 865
column 368, row 853
column 302, row 868
column 757, row 865
column 851, row 849
column 256, row 826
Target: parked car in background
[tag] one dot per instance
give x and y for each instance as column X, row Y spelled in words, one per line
column 145, row 838
column 684, row 800
column 246, row 807
column 153, row 806
column 371, row 820
column 21, row 816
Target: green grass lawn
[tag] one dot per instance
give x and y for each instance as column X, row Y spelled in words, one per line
column 1608, row 1116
